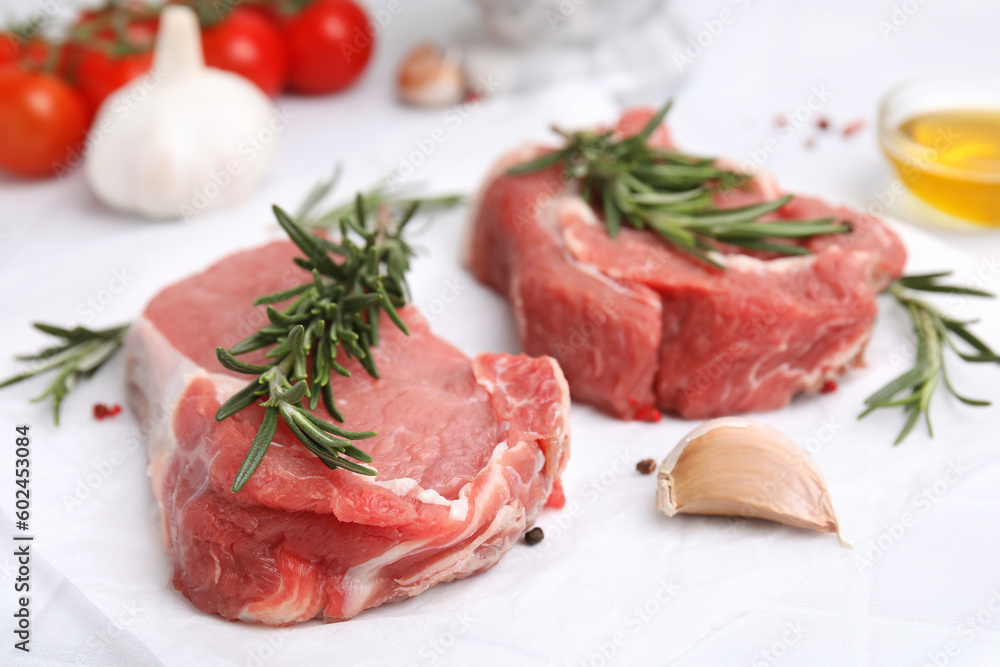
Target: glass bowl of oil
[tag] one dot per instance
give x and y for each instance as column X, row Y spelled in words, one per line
column 942, row 134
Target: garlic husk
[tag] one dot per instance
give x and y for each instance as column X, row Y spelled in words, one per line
column 429, row 77
column 183, row 139
column 738, row 467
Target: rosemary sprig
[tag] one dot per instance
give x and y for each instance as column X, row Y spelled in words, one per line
column 82, row 352
column 354, row 281
column 670, row 193
column 934, row 332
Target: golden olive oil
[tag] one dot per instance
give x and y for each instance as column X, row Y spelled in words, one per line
column 953, row 162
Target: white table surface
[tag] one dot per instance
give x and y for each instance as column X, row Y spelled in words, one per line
column 931, row 596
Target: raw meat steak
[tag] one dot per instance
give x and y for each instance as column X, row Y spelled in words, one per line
column 639, row 327
column 467, row 453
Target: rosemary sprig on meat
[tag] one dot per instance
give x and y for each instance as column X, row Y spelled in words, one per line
column 670, row 192
column 80, row 355
column 934, row 332
column 336, row 312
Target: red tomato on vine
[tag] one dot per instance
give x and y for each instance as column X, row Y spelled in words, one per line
column 248, row 43
column 109, row 47
column 329, row 45
column 9, row 49
column 43, row 122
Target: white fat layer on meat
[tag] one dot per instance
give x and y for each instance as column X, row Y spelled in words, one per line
column 573, row 205
column 498, row 451
column 564, row 404
column 506, row 526
column 359, row 581
column 400, row 486
column 508, row 522
column 517, row 305
column 165, row 367
column 458, row 509
column 160, row 374
column 649, row 296
column 159, row 369
column 547, row 214
column 403, row 485
column 836, row 363
column 494, row 481
column 174, row 372
column 760, row 267
column 553, row 468
column 811, row 380
column 539, row 462
column 225, row 386
column 292, row 609
column 296, row 599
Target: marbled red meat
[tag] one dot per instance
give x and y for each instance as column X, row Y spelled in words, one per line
column 637, row 325
column 467, row 451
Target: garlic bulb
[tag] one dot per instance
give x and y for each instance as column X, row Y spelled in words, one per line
column 738, row 467
column 429, row 78
column 183, row 139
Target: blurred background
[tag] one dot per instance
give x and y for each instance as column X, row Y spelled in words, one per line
column 793, row 87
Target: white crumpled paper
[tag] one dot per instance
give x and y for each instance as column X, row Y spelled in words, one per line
column 613, row 581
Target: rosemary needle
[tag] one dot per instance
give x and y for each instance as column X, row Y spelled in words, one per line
column 670, row 193
column 934, row 332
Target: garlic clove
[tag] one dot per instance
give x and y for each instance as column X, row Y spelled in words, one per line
column 429, row 77
column 738, row 467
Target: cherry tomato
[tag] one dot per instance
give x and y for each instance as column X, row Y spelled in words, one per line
column 247, row 43
column 9, row 50
column 43, row 121
column 329, row 46
column 100, row 74
column 108, row 47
